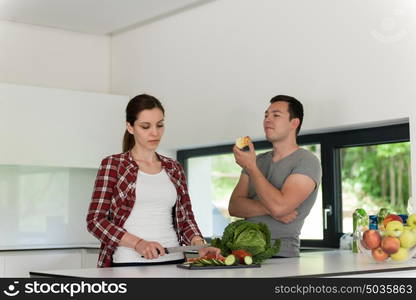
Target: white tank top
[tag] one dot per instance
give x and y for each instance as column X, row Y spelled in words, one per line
column 151, row 217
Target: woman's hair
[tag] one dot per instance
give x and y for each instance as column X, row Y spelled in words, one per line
column 134, row 107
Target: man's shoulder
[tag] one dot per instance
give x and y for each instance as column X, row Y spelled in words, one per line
column 307, row 155
column 309, row 164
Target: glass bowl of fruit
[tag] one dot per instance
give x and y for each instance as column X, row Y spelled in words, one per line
column 395, row 242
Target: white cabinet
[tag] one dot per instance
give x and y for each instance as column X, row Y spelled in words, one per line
column 60, row 127
column 1, row 266
column 52, row 143
column 20, row 263
column 89, row 258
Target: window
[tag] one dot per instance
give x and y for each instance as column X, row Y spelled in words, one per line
column 346, row 181
column 373, row 177
column 367, row 168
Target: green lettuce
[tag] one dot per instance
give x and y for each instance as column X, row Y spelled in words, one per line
column 252, row 237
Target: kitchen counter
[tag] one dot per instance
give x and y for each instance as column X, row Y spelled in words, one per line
column 48, row 247
column 317, row 264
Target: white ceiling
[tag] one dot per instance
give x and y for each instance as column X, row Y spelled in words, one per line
column 92, row 16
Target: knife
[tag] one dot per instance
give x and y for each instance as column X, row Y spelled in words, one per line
column 183, row 248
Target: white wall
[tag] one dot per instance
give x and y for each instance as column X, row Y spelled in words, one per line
column 40, row 56
column 215, row 67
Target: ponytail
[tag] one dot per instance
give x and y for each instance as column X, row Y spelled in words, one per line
column 128, row 141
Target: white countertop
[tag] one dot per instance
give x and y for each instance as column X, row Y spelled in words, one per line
column 322, row 264
column 49, row 247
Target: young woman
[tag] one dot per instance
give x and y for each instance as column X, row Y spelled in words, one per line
column 140, row 203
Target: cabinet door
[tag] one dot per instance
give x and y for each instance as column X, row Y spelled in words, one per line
column 90, row 258
column 19, row 264
column 1, row 266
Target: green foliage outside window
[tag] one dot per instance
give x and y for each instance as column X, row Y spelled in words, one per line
column 378, row 176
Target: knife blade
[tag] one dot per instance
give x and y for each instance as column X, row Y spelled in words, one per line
column 184, row 248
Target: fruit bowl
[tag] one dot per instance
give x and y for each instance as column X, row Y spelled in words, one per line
column 396, row 246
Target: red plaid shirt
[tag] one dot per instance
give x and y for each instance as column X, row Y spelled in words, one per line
column 113, row 199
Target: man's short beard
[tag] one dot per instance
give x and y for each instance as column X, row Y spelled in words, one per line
column 277, row 139
column 272, row 140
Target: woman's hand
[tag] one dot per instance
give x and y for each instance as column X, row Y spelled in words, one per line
column 210, row 250
column 198, row 241
column 149, row 249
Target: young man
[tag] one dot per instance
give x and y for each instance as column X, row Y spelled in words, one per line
column 278, row 187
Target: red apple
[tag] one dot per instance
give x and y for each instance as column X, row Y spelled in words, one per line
column 379, row 254
column 390, row 244
column 391, row 217
column 371, row 239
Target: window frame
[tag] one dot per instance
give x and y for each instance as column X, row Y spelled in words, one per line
column 330, row 143
column 334, row 142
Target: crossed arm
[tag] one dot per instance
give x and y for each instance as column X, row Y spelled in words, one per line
column 280, row 204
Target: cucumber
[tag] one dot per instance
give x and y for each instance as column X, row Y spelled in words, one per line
column 205, row 262
column 230, row 260
column 248, row 260
column 218, row 262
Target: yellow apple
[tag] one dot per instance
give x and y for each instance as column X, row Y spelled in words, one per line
column 400, row 255
column 407, row 239
column 394, row 228
column 411, row 220
column 413, row 231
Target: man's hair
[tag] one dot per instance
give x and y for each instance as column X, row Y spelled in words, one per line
column 295, row 108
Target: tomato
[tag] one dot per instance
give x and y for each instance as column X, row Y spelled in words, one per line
column 210, row 256
column 221, row 258
column 192, row 259
column 240, row 254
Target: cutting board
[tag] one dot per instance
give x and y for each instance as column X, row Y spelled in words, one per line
column 191, row 267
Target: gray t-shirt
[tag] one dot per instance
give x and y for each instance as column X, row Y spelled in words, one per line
column 300, row 161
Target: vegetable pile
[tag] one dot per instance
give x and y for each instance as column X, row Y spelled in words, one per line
column 237, row 257
column 250, row 237
column 207, row 260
